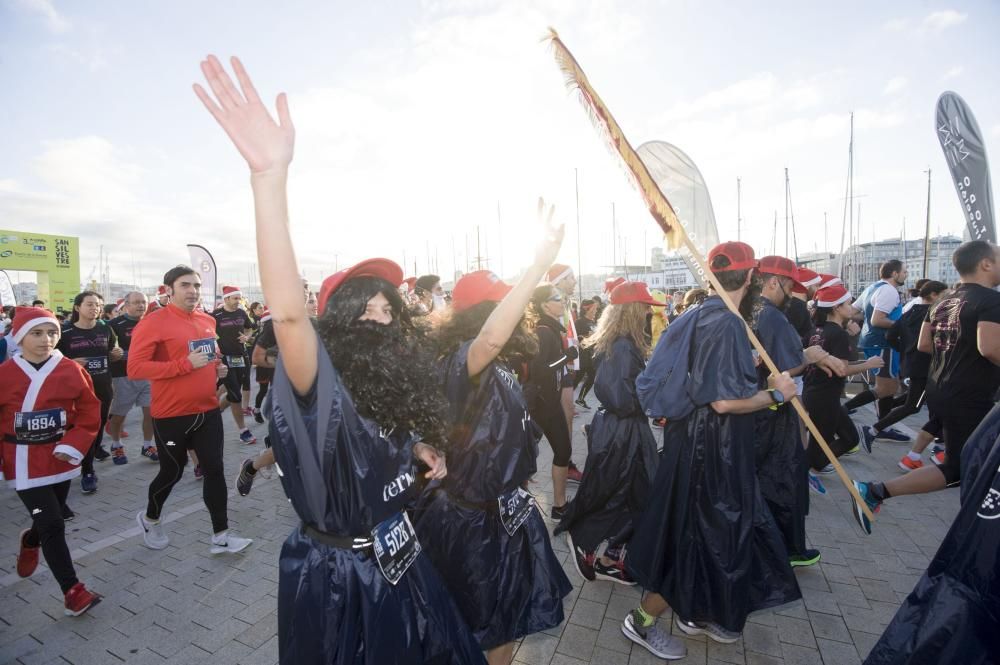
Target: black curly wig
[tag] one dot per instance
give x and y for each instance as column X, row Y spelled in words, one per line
column 459, row 327
column 389, row 369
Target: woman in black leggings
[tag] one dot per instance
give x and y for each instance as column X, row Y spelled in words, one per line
column 545, row 374
column 821, row 394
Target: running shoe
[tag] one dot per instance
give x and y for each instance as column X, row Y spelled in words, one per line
column 198, row 473
column 892, row 434
column 807, row 558
column 573, row 474
column 229, row 544
column 712, row 630
column 873, row 505
column 79, row 599
column 936, row 448
column 582, row 403
column 247, row 437
column 826, row 470
column 149, row 452
column 123, row 435
column 659, row 423
column 258, row 416
column 938, row 458
column 101, row 453
column 867, row 436
column 153, row 535
column 557, row 512
column 815, row 484
column 853, row 451
column 118, row 455
column 653, row 639
column 584, row 561
column 613, row 573
column 68, row 514
column 907, row 464
column 244, row 481
column 27, row 557
column 88, row 483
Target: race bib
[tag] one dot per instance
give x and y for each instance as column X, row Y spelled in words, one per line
column 236, row 361
column 206, row 345
column 97, row 365
column 396, row 546
column 39, row 426
column 515, row 508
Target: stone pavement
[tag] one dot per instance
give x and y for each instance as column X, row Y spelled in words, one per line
column 182, row 605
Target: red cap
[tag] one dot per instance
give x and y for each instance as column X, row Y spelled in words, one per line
column 161, row 290
column 611, row 282
column 26, row 318
column 832, row 296
column 779, row 265
column 828, row 280
column 476, row 287
column 806, row 279
column 231, row 291
column 558, row 272
column 632, row 292
column 740, row 256
column 381, row 268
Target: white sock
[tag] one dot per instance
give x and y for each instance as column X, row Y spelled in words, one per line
column 149, row 521
column 913, row 456
column 115, row 444
column 148, row 444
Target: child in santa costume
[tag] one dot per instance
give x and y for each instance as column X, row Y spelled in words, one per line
column 49, row 416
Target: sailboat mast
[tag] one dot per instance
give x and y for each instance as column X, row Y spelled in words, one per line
column 739, row 214
column 786, row 211
column 927, row 231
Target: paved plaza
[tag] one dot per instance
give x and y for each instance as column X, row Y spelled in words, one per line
column 182, row 605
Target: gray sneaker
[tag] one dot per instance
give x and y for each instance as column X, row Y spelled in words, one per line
column 654, row 639
column 152, row 534
column 230, row 544
column 713, row 630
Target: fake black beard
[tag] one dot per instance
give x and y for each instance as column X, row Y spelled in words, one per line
column 391, row 376
column 751, row 299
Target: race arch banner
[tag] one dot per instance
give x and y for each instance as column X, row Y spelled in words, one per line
column 55, row 258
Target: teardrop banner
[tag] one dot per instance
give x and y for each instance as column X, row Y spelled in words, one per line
column 964, row 150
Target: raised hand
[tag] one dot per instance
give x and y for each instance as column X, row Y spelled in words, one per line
column 265, row 144
column 552, row 235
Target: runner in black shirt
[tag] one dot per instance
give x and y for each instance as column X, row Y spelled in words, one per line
column 233, row 327
column 92, row 344
column 962, row 334
column 588, row 372
column 129, row 393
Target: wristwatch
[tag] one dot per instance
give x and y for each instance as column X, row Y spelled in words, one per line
column 777, row 396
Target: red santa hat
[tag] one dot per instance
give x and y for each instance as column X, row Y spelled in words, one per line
column 161, row 290
column 26, row 318
column 558, row 272
column 231, row 291
column 411, row 283
column 265, row 315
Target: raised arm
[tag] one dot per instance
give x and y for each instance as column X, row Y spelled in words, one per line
column 267, row 146
column 501, row 323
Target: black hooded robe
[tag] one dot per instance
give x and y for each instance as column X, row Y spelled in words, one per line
column 621, row 456
column 344, row 475
column 706, row 541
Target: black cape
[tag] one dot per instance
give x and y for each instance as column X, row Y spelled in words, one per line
column 621, row 456
column 505, row 586
column 706, row 541
column 953, row 614
column 343, row 475
column 780, row 458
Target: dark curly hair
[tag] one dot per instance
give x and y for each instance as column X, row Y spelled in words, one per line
column 389, row 369
column 459, row 327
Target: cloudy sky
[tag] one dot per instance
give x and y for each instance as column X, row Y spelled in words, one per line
column 416, row 121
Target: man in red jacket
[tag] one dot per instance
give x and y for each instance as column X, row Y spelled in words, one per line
column 49, row 416
column 175, row 349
